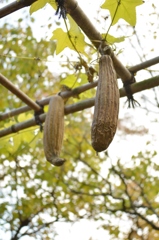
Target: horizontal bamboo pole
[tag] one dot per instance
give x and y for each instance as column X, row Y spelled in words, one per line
column 43, row 102
column 74, row 92
column 144, row 65
column 135, row 88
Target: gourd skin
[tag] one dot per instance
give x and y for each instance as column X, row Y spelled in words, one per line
column 106, row 106
column 54, row 131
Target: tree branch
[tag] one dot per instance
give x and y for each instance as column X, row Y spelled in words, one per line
column 23, row 223
column 133, row 207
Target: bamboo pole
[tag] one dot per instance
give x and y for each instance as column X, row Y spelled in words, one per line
column 14, row 6
column 135, row 88
column 86, row 25
column 146, row 84
column 95, row 37
column 145, row 64
column 10, row 86
column 43, row 102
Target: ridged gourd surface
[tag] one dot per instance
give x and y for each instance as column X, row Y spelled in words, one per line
column 106, row 110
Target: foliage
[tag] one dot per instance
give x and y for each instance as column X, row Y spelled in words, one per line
column 35, row 195
column 40, row 4
column 74, row 39
column 26, row 55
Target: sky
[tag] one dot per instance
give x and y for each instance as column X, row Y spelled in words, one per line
column 85, row 229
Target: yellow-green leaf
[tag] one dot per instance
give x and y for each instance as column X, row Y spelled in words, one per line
column 70, row 80
column 53, row 4
column 37, row 5
column 111, row 39
column 62, row 40
column 125, row 9
column 74, row 39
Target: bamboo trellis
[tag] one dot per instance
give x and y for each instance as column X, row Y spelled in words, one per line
column 85, row 24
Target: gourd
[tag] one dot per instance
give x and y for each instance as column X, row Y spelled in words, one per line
column 54, row 131
column 106, row 106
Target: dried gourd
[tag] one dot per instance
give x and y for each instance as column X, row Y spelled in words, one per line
column 54, row 131
column 106, row 106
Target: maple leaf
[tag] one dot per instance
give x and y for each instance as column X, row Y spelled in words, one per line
column 125, row 9
column 63, row 38
column 111, row 39
column 37, row 5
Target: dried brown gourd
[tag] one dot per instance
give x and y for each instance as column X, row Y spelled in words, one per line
column 106, row 106
column 54, row 131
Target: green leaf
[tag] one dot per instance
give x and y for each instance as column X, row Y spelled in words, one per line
column 37, row 5
column 53, row 4
column 73, row 80
column 111, row 39
column 74, row 39
column 122, row 9
column 62, row 40
column 70, row 80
